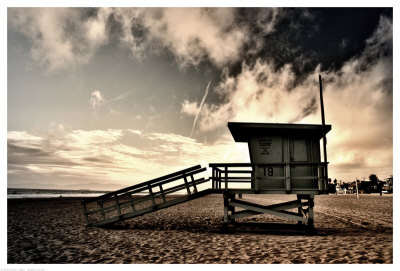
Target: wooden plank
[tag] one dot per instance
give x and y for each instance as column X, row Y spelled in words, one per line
column 256, row 178
column 217, row 165
column 187, row 185
column 230, row 164
column 263, row 209
column 182, row 186
column 162, row 194
column 226, row 205
column 266, row 178
column 132, row 203
column 286, row 205
column 103, row 214
column 244, row 213
column 226, row 177
column 85, row 213
column 310, row 221
column 287, row 176
column 320, row 174
column 194, row 183
column 240, row 171
column 153, row 201
column 236, row 178
column 117, row 205
column 212, row 178
column 305, row 178
column 240, row 181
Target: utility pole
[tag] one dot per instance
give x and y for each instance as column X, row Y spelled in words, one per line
column 357, row 188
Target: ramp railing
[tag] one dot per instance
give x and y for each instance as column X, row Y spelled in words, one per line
column 144, row 197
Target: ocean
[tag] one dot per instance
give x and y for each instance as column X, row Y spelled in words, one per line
column 18, row 193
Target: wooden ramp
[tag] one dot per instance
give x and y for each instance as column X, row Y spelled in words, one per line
column 144, row 198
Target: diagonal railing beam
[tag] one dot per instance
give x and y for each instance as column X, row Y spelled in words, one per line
column 266, row 210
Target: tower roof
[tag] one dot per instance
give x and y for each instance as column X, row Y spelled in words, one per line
column 242, row 131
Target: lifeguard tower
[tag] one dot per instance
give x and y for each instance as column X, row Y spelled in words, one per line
column 284, row 159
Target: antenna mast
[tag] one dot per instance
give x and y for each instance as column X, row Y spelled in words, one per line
column 323, row 124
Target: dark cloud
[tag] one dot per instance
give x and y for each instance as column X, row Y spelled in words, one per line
column 87, row 13
column 25, row 155
column 138, row 30
column 98, row 160
column 114, row 29
column 310, row 108
column 306, row 37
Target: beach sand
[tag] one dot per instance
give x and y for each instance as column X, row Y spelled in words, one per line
column 347, row 231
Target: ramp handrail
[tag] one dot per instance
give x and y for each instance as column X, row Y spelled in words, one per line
column 145, row 184
column 125, row 205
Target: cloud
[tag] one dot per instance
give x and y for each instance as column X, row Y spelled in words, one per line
column 66, row 37
column 193, row 34
column 258, row 93
column 117, row 157
column 61, row 37
column 96, row 99
column 358, row 104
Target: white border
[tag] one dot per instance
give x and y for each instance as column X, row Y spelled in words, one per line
column 198, row 3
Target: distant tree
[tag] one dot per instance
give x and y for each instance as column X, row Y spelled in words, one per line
column 331, row 188
column 373, row 179
column 335, row 182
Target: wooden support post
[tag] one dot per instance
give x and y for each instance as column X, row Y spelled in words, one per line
column 320, row 177
column 299, row 209
column 226, row 178
column 85, row 213
column 162, row 193
column 310, row 222
column 117, row 204
column 187, row 185
column 132, row 202
column 287, row 176
column 194, row 184
column 103, row 215
column 231, row 212
column 252, row 175
column 218, row 179
column 226, row 206
column 213, row 178
column 256, row 179
column 153, row 201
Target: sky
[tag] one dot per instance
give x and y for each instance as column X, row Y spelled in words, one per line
column 103, row 98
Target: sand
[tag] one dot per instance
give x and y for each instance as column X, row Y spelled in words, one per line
column 347, row 231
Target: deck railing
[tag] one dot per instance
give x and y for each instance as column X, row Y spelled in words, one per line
column 226, row 174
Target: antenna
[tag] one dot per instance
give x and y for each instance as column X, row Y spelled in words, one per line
column 323, row 123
